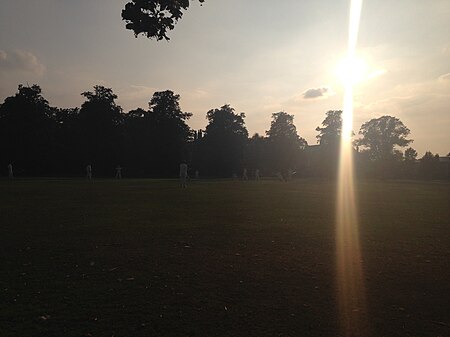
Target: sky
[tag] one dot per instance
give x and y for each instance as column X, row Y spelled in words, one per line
column 259, row 56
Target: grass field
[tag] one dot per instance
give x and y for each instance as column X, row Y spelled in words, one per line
column 220, row 258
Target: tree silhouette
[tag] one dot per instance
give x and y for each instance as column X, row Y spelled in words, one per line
column 284, row 144
column 224, row 141
column 325, row 159
column 139, row 142
column 330, row 133
column 256, row 154
column 429, row 166
column 171, row 131
column 68, row 135
column 99, row 125
column 42, row 140
column 410, row 154
column 410, row 161
column 27, row 131
column 379, row 139
column 154, row 18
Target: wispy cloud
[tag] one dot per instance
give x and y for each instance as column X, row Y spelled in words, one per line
column 138, row 92
column 445, row 77
column 21, row 61
column 376, row 73
column 133, row 96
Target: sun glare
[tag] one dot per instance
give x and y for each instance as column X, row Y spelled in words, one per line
column 352, row 69
column 351, row 293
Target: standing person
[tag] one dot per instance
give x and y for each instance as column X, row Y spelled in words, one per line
column 89, row 172
column 183, row 174
column 10, row 171
column 118, row 172
column 197, row 175
column 244, row 175
column 290, row 174
column 280, row 176
column 257, row 174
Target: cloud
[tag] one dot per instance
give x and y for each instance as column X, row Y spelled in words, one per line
column 138, row 92
column 445, row 77
column 446, row 50
column 376, row 73
column 313, row 93
column 22, row 61
column 133, row 96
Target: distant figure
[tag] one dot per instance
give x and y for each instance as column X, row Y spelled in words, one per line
column 197, row 175
column 244, row 175
column 257, row 174
column 183, row 174
column 118, row 172
column 10, row 171
column 89, row 172
column 290, row 174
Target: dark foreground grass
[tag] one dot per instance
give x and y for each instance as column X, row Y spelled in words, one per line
column 220, row 258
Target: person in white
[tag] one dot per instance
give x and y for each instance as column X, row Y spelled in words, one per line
column 291, row 173
column 118, row 172
column 89, row 172
column 257, row 174
column 183, row 174
column 244, row 175
column 10, row 171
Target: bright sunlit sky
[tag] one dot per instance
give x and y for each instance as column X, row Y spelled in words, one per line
column 260, row 56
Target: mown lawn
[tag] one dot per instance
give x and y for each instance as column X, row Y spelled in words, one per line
column 220, row 258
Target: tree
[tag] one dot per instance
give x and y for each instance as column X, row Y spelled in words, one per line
column 100, row 131
column 68, row 133
column 100, row 107
column 410, row 154
column 324, row 160
column 139, row 142
column 165, row 105
column 224, row 142
column 379, row 139
column 409, row 163
column 154, row 18
column 27, row 131
column 380, row 136
column 171, row 131
column 330, row 133
column 196, row 150
column 156, row 139
column 256, row 153
column 429, row 166
column 284, row 144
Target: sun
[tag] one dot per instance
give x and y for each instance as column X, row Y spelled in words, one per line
column 352, row 70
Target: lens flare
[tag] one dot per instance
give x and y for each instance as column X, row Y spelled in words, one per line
column 351, row 293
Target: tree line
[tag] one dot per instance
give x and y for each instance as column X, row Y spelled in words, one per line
column 41, row 140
